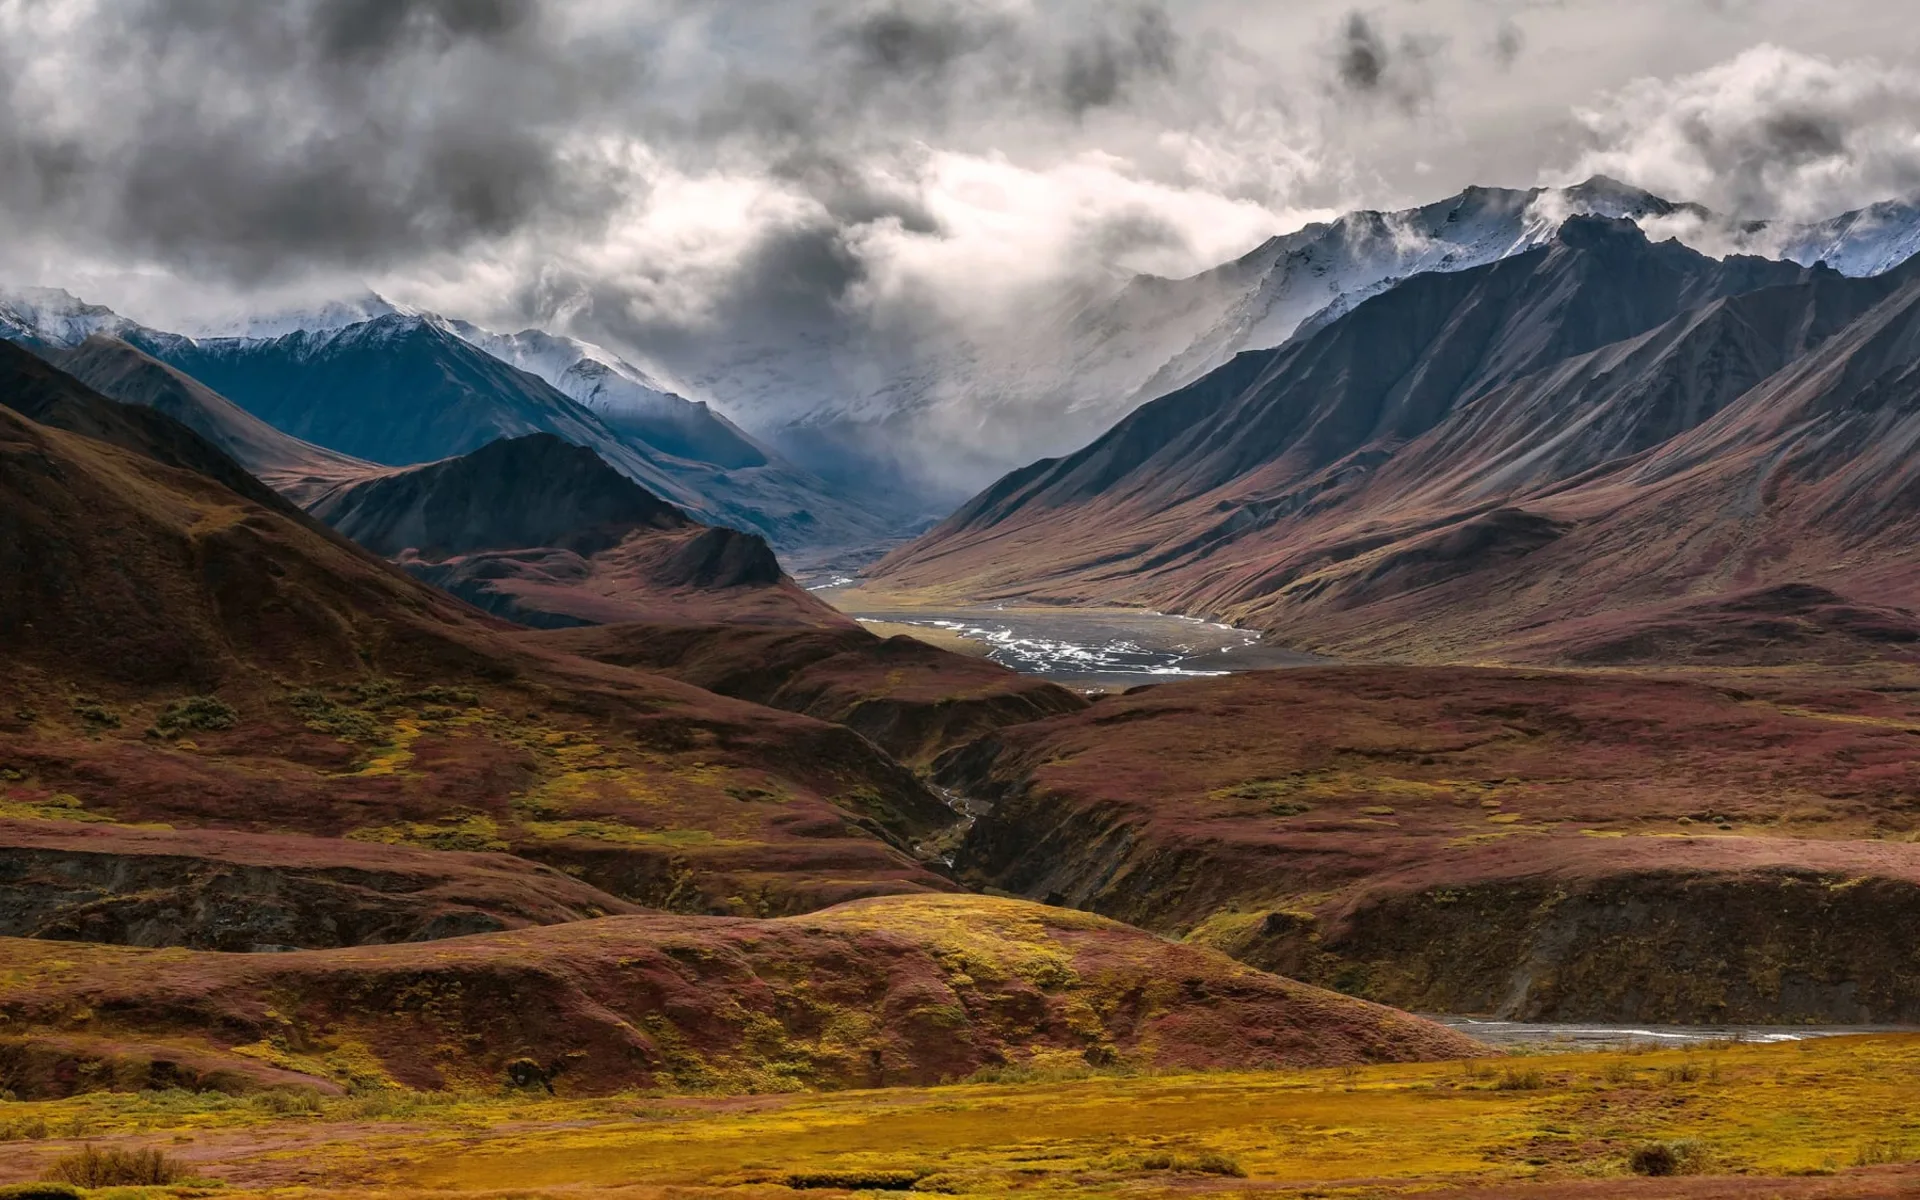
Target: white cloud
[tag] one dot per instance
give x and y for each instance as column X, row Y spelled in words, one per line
column 1770, row 133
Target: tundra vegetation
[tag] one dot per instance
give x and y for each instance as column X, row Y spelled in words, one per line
column 1820, row 1117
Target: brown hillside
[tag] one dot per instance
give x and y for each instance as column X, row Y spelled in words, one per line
column 350, row 700
column 545, row 533
column 913, row 700
column 1479, row 465
column 890, row 991
column 1565, row 846
column 218, row 890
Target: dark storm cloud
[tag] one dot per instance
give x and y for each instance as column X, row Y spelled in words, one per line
column 253, row 140
column 916, row 41
column 1099, row 71
column 1369, row 65
column 1509, row 42
column 1362, row 61
column 956, row 51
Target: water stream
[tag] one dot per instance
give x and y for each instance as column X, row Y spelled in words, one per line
column 1578, row 1036
column 1102, row 647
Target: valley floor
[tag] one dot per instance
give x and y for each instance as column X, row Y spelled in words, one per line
column 1089, row 648
column 1830, row 1117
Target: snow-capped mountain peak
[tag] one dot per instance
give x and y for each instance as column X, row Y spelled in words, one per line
column 1868, row 241
column 54, row 316
column 326, row 316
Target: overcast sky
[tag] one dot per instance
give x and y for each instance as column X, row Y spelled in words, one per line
column 652, row 168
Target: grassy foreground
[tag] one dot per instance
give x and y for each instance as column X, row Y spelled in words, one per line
column 1835, row 1117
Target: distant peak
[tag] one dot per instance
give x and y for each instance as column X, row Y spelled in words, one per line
column 323, row 316
column 1591, row 232
column 1607, row 185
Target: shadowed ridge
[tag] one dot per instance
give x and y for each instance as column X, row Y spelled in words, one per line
column 128, row 374
column 545, row 533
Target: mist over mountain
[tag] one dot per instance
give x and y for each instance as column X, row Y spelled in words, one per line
column 860, row 231
column 1593, row 449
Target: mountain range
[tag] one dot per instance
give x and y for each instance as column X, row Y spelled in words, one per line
column 1466, row 463
column 943, row 416
column 804, row 435
column 397, row 387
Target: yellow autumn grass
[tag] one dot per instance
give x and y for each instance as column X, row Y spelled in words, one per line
column 1809, row 1107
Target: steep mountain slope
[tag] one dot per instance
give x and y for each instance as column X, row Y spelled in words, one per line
column 122, row 372
column 545, row 533
column 178, row 652
column 1580, row 846
column 897, row 991
column 1054, row 372
column 1382, row 455
column 404, row 389
column 55, row 317
column 628, row 398
column 36, row 389
column 1865, row 242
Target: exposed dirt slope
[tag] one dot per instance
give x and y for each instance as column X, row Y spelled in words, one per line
column 1538, row 845
column 913, row 700
column 339, row 697
column 217, row 890
column 897, row 990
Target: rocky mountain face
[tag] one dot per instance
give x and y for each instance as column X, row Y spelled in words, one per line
column 1471, row 454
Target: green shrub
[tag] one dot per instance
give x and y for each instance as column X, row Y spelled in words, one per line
column 871, row 1180
column 1881, row 1153
column 195, row 713
column 1684, row 1157
column 93, row 712
column 1519, row 1079
column 114, row 1167
column 286, row 1101
column 324, row 716
column 1686, row 1072
column 1207, row 1162
column 437, row 694
column 375, row 693
column 38, row 1191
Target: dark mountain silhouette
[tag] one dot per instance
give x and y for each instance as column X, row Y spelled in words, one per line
column 546, row 533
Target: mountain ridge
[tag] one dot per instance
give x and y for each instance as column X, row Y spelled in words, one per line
column 1333, row 491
